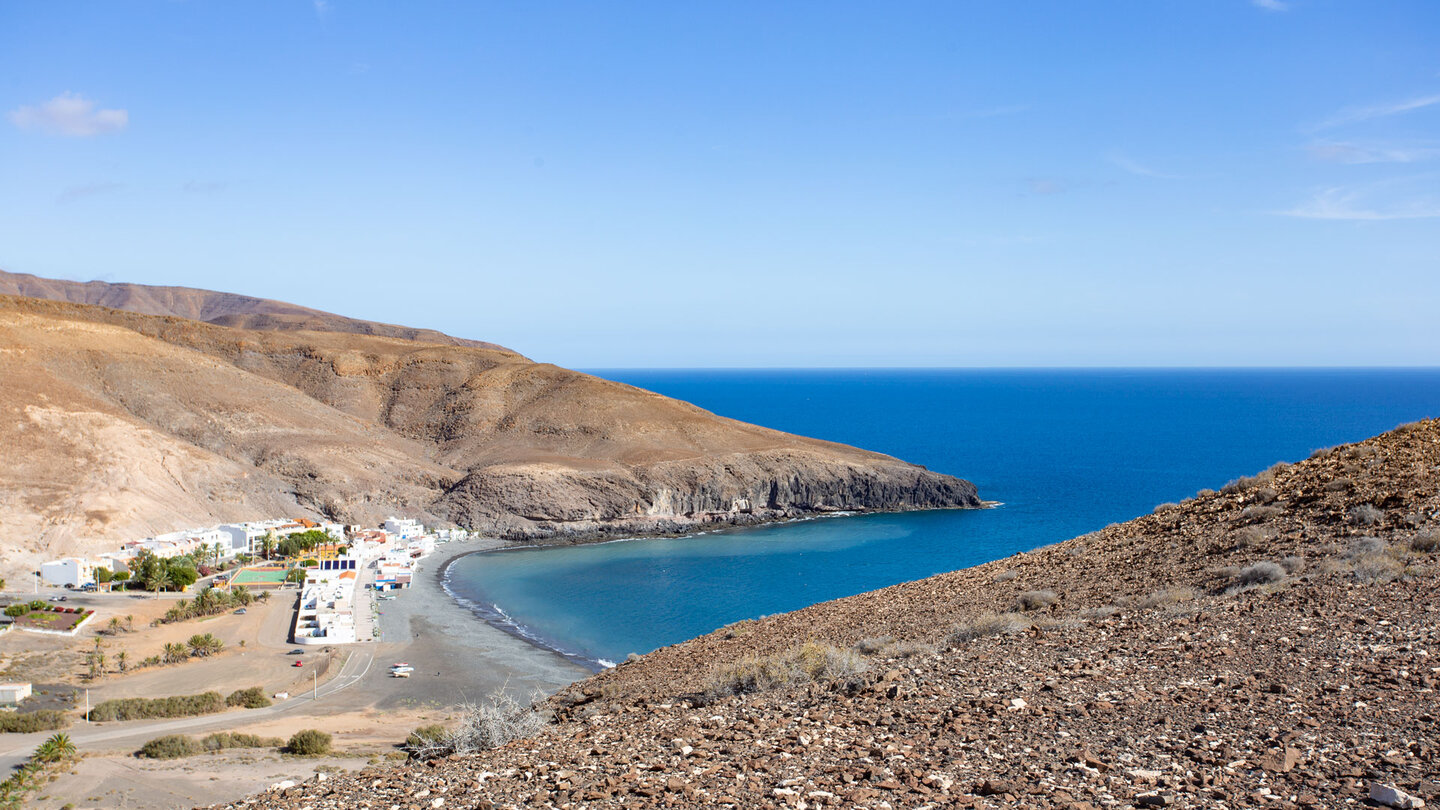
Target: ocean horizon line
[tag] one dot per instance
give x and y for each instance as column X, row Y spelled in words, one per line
column 598, row 369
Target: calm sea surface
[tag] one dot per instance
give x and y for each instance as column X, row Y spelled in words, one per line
column 1066, row 452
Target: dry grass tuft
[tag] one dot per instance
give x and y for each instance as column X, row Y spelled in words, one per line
column 989, row 624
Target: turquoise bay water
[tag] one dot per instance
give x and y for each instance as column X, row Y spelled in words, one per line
column 1066, row 452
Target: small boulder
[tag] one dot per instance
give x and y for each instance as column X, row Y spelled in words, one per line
column 1391, row 796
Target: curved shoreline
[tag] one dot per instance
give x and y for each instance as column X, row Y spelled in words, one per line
column 497, row 618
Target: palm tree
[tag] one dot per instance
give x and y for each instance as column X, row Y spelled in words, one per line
column 96, row 659
column 241, row 595
column 113, row 628
column 121, row 660
column 175, row 653
column 129, row 623
column 267, row 543
column 58, row 747
column 207, row 602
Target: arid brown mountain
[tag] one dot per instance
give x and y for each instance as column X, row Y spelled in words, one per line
column 224, row 309
column 1274, row 644
column 119, row 424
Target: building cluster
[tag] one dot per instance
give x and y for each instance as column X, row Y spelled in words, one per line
column 334, row 601
column 219, row 544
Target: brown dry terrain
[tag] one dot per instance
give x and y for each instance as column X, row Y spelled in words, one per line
column 119, row 425
column 225, row 309
column 1273, row 644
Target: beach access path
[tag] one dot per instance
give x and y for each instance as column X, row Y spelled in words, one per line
column 458, row 658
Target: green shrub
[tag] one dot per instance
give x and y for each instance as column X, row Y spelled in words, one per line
column 425, row 737
column 14, row 611
column 149, row 708
column 30, row 722
column 171, row 746
column 309, row 743
column 252, row 698
column 221, row 740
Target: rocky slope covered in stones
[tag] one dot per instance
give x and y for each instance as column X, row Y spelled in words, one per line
column 118, row 425
column 1273, row 644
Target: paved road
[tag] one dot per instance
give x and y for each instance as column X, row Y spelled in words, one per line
column 133, row 734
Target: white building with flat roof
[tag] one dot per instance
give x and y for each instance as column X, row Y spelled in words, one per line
column 404, row 528
column 69, row 572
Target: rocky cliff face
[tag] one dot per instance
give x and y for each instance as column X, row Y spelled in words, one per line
column 123, row 424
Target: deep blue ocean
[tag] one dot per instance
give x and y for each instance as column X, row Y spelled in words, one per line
column 1065, row 452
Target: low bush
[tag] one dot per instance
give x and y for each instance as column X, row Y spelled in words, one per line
column 221, row 740
column 150, row 708
column 1374, row 569
column 872, row 645
column 425, row 737
column 30, row 722
column 989, row 624
column 1165, row 598
column 1251, row 537
column 810, row 662
column 1035, row 600
column 1260, row 514
column 309, row 743
column 1426, row 541
column 1261, row 573
column 175, row 746
column 1247, row 483
column 887, row 647
column 1339, row 485
column 251, row 698
column 1292, row 564
column 1366, row 515
column 171, row 746
column 1362, row 547
column 1006, row 576
column 498, row 721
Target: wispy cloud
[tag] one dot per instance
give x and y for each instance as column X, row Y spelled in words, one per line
column 1271, row 5
column 70, row 114
column 1139, row 169
column 74, row 193
column 1352, row 115
column 322, row 7
column 1388, row 200
column 1354, row 153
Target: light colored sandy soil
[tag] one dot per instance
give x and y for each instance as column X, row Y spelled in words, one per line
column 458, row 659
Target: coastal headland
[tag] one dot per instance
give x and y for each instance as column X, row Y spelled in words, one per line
column 126, row 424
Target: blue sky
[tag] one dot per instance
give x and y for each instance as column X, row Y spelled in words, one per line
column 1228, row 182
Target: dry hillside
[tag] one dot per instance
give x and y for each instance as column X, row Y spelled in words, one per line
column 1273, row 644
column 118, row 425
column 225, row 309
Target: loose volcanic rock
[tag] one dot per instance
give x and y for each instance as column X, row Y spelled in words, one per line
column 1158, row 678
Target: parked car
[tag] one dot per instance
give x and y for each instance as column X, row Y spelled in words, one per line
column 241, row 612
column 296, row 651
column 298, row 663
